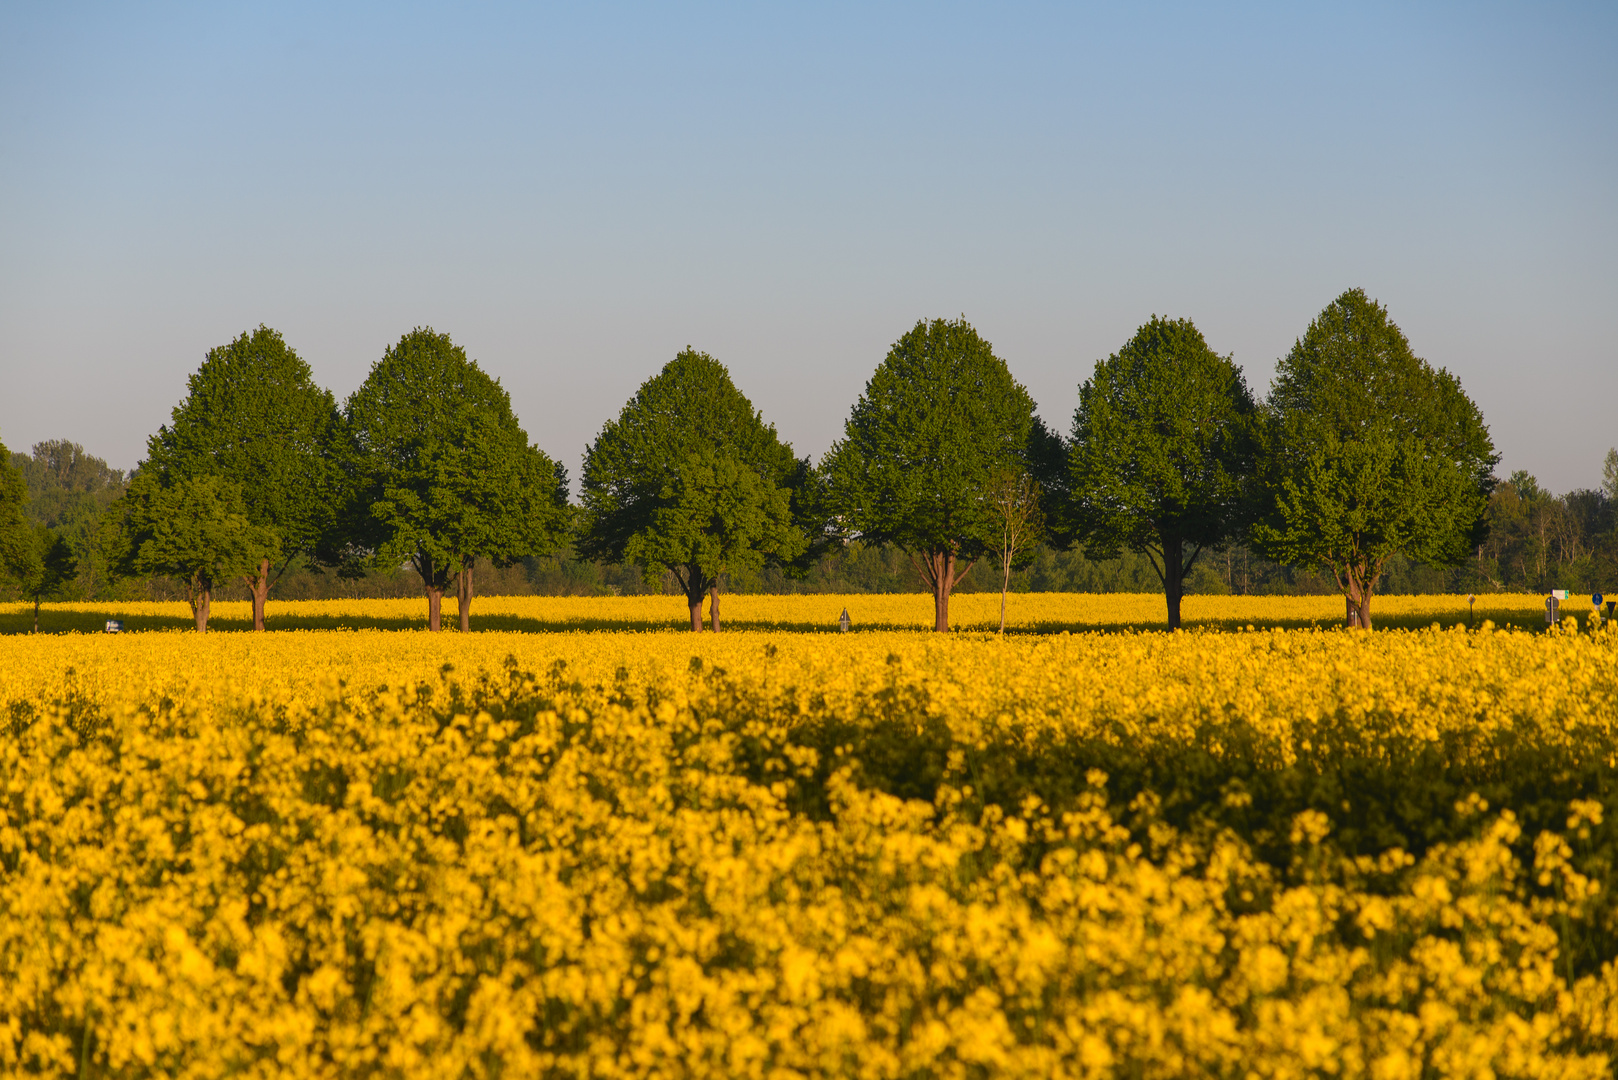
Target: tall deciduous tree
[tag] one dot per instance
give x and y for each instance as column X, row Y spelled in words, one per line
column 443, row 473
column 690, row 479
column 1161, row 450
column 1369, row 452
column 939, row 419
column 194, row 528
column 254, row 416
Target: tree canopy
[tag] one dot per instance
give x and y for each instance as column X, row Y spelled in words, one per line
column 940, row 418
column 689, row 479
column 1369, row 452
column 254, row 416
column 443, row 475
column 1162, row 446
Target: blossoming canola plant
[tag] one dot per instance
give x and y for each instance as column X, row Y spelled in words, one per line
column 1278, row 853
column 1042, row 612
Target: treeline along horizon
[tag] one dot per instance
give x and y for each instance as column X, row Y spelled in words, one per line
column 1362, row 455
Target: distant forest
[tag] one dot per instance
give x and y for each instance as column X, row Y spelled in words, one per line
column 1536, row 541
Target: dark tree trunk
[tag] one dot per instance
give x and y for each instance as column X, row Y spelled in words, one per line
column 1359, row 602
column 713, row 605
column 1357, row 583
column 200, row 607
column 36, row 614
column 937, row 568
column 465, row 598
column 432, row 582
column 696, row 591
column 1173, row 577
column 260, row 584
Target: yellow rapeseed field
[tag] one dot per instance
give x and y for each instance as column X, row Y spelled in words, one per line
column 328, row 853
column 1026, row 612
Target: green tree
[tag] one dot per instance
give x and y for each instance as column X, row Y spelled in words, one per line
column 690, row 480
column 15, row 536
column 1161, row 451
column 940, row 417
column 1609, row 474
column 443, row 475
column 69, row 491
column 1369, row 452
column 254, row 416
column 194, row 528
column 48, row 565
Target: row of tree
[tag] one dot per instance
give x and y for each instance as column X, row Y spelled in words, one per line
column 1361, row 454
column 1539, row 541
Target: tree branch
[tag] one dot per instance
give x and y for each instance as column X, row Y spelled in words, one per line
column 1152, row 557
column 956, row 580
column 923, row 568
column 1186, row 569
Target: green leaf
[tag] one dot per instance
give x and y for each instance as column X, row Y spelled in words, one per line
column 689, row 478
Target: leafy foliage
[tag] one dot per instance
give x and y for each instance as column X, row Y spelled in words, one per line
column 47, row 567
column 1541, row 541
column 69, row 491
column 1359, row 503
column 254, row 416
column 1161, row 452
column 14, row 533
column 717, row 515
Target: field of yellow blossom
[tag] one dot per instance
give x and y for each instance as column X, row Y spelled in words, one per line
column 1026, row 612
column 1276, row 852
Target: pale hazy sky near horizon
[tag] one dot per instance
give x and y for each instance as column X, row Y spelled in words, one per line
column 576, row 193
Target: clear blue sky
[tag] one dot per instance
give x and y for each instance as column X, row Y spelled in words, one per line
column 577, row 193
